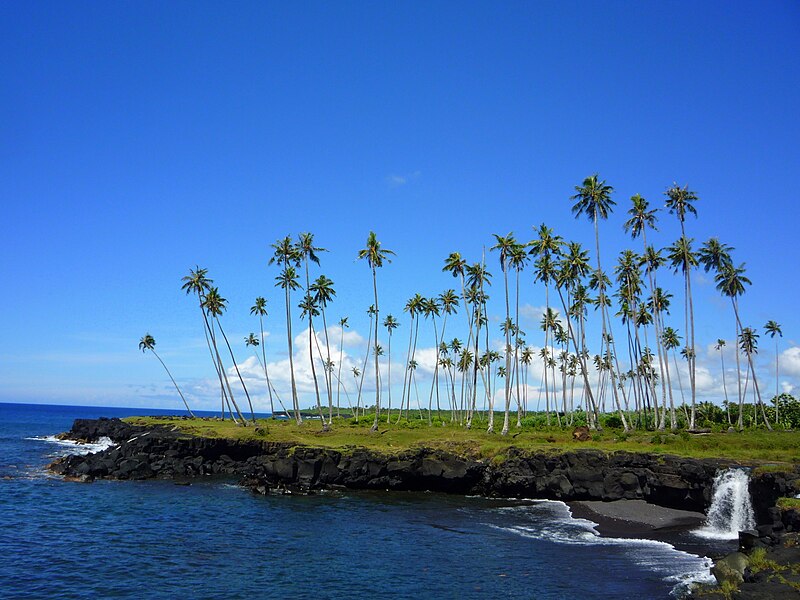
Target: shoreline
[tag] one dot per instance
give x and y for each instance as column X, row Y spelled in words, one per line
column 627, row 495
column 638, row 519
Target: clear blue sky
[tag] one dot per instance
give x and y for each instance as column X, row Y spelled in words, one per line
column 140, row 139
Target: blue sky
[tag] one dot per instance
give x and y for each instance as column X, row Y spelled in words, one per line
column 141, row 139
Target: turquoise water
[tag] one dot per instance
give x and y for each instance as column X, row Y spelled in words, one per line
column 214, row 540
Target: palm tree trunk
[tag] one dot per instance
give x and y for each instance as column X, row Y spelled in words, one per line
column 235, row 366
column 389, row 380
column 266, row 373
column 311, row 335
column 339, row 375
column 327, row 369
column 186, row 404
column 225, row 377
column 295, row 402
column 377, row 376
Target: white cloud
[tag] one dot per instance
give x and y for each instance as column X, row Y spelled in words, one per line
column 790, row 361
column 533, row 313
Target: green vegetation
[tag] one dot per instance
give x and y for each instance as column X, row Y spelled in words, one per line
column 627, row 379
column 755, row 447
column 788, row 503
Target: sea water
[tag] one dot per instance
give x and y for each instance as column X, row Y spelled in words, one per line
column 153, row 539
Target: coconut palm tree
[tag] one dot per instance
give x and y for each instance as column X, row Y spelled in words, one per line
column 731, row 282
column 719, row 346
column 260, row 309
column 573, row 267
column 506, row 246
column 748, row 342
column 671, row 340
column 478, row 277
column 546, row 248
column 642, row 218
column 375, row 256
column 772, row 328
column 412, row 307
column 391, row 324
column 680, row 202
column 593, row 200
column 683, row 259
column 431, row 309
column 286, row 254
column 148, row 342
column 215, row 305
column 323, row 292
column 308, row 309
column 198, row 282
column 308, row 253
column 342, row 326
column 287, row 281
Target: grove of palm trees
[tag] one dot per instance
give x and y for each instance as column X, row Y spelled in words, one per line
column 613, row 347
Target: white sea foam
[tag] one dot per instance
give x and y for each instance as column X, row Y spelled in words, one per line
column 553, row 521
column 66, row 447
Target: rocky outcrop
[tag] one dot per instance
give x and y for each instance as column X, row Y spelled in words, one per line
column 161, row 452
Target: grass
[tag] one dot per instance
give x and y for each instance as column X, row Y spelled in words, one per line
column 778, row 449
column 788, row 503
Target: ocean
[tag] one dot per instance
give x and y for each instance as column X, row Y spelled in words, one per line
column 153, row 539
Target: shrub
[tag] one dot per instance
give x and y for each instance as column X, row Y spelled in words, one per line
column 612, row 421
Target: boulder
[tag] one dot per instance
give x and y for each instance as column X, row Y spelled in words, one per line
column 581, row 434
column 730, row 569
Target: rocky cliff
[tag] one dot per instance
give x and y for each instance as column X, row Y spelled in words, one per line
column 160, row 452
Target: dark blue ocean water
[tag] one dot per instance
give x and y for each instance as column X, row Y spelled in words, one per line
column 214, row 540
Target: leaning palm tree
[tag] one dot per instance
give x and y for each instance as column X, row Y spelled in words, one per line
column 731, row 282
column 375, row 256
column 772, row 328
column 286, row 254
column 214, row 304
column 149, row 343
column 198, row 282
column 260, row 309
column 391, row 324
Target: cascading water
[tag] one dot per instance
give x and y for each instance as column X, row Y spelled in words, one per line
column 730, row 511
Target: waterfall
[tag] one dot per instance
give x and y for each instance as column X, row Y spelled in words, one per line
column 730, row 511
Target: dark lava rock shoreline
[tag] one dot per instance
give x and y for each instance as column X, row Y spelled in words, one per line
column 162, row 452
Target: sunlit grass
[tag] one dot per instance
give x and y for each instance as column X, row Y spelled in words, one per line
column 758, row 447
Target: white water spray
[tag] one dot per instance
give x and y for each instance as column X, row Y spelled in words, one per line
column 730, row 511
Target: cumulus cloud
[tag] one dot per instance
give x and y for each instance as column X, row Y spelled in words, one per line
column 790, row 361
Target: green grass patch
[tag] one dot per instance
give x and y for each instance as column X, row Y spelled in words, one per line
column 788, row 503
column 778, row 450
